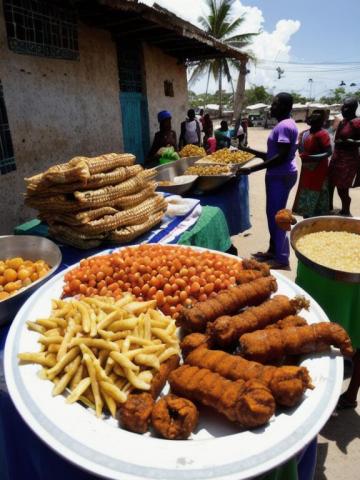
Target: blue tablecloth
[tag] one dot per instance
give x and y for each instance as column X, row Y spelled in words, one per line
column 233, row 199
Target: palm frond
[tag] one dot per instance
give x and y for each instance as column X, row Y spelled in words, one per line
column 199, row 70
column 232, row 26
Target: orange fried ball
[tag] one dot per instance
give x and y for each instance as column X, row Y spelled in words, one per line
column 171, row 275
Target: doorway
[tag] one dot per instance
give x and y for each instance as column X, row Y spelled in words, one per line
column 133, row 100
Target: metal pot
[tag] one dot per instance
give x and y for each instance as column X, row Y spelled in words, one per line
column 29, row 248
column 327, row 224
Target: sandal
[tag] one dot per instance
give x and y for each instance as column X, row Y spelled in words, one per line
column 263, row 255
column 344, row 403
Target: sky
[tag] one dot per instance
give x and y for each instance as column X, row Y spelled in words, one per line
column 308, row 39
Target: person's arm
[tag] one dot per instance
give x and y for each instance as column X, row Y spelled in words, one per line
column 154, row 147
column 182, row 135
column 278, row 159
column 257, row 153
column 198, row 131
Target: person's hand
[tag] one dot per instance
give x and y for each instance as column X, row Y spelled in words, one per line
column 244, row 171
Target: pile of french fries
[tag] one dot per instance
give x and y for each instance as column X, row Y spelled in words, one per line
column 98, row 350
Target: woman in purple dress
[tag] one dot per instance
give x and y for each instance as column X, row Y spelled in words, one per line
column 281, row 176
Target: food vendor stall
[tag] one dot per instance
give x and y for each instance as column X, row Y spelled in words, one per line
column 94, row 352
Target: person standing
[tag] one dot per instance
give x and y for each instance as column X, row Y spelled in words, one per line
column 165, row 137
column 281, row 176
column 344, row 169
column 222, row 136
column 312, row 197
column 190, row 130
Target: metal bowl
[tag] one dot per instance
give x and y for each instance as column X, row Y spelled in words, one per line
column 206, row 183
column 171, row 170
column 29, row 248
column 327, row 224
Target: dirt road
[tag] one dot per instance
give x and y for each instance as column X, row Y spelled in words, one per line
column 339, row 442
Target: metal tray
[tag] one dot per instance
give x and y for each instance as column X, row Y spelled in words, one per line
column 171, row 170
column 327, row 224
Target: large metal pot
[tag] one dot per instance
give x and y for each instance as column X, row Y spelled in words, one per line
column 327, row 224
column 29, row 248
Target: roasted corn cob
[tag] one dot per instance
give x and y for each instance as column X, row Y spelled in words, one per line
column 131, row 216
column 54, row 203
column 76, row 219
column 103, row 196
column 67, row 235
column 127, row 234
column 133, row 200
column 106, row 162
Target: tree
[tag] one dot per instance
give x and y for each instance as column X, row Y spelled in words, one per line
column 257, row 94
column 298, row 98
column 220, row 24
column 336, row 96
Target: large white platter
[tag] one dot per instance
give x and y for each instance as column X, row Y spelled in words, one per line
column 217, row 450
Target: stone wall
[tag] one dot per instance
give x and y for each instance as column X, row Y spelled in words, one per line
column 57, row 109
column 158, row 68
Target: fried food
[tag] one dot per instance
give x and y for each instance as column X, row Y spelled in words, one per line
column 160, row 378
column 284, row 219
column 269, row 345
column 289, row 321
column 252, row 264
column 253, row 293
column 174, row 417
column 121, row 346
column 287, row 383
column 250, row 403
column 135, row 413
column 193, row 341
column 226, row 330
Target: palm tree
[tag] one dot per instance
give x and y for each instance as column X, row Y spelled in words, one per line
column 220, row 25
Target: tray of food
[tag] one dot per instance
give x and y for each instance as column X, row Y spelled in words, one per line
column 144, row 363
column 227, row 156
column 210, row 177
column 191, row 150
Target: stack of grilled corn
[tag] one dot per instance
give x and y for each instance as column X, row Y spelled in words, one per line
column 89, row 200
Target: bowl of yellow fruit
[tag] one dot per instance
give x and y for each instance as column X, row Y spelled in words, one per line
column 26, row 262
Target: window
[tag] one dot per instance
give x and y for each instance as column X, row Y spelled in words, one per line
column 130, row 67
column 37, row 27
column 7, row 159
column 168, row 88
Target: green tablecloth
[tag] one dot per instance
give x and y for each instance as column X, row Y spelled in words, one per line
column 210, row 231
column 340, row 300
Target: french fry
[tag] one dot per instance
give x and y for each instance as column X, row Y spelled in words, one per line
column 148, row 360
column 50, row 340
column 94, row 384
column 125, row 324
column 78, row 390
column 47, row 323
column 61, row 364
column 85, row 317
column 110, row 403
column 66, row 340
column 65, row 379
column 165, row 337
column 136, row 381
column 113, row 391
column 36, row 327
column 39, row 358
column 169, row 352
column 76, row 379
column 123, row 361
column 94, row 342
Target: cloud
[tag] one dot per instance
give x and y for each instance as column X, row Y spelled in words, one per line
column 268, row 45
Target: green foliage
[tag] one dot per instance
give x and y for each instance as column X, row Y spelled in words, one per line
column 257, row 94
column 335, row 96
column 298, row 98
column 220, row 24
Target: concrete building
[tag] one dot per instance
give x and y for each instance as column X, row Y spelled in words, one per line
column 86, row 77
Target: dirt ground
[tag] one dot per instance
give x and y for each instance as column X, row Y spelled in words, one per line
column 339, row 443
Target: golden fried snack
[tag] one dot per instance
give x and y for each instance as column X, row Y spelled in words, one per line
column 226, row 330
column 286, row 383
column 193, row 341
column 135, row 413
column 159, row 379
column 252, row 264
column 174, row 417
column 270, row 345
column 250, row 403
column 230, row 301
column 284, row 219
column 289, row 321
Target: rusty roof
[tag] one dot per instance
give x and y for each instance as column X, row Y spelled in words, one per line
column 132, row 20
